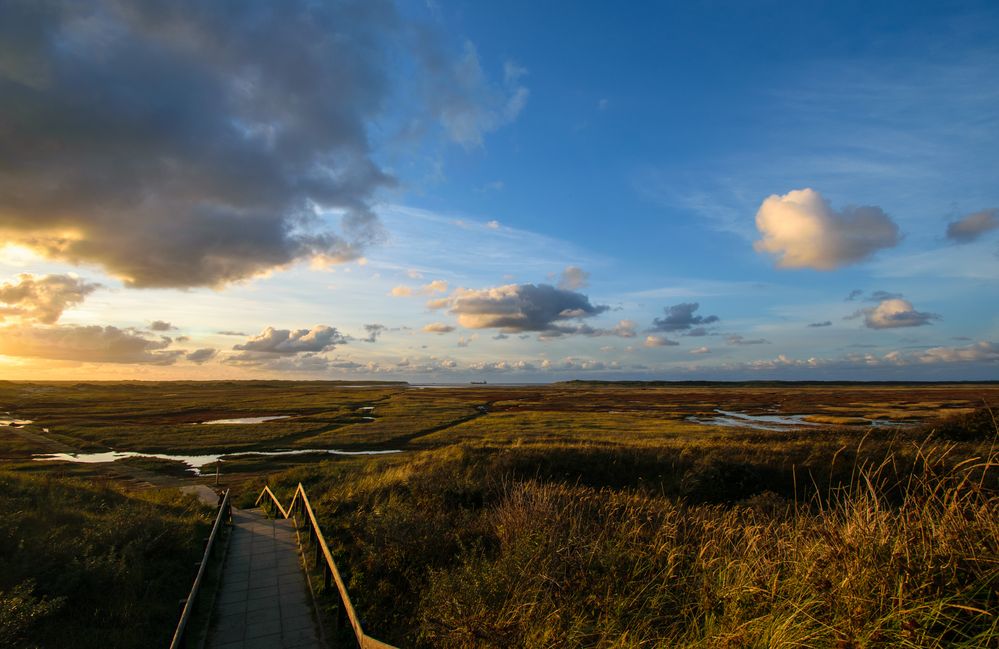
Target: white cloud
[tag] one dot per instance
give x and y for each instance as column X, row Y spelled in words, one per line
column 659, row 341
column 803, row 231
column 894, row 313
column 700, row 350
column 438, row 328
column 293, row 341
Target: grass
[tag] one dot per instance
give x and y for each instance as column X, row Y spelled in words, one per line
column 91, row 565
column 584, row 515
column 891, row 543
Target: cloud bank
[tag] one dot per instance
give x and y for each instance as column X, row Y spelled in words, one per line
column 803, row 231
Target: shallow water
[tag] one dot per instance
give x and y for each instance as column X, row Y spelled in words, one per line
column 245, row 420
column 195, row 462
column 14, row 422
column 734, row 419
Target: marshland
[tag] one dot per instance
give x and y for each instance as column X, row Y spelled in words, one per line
column 575, row 514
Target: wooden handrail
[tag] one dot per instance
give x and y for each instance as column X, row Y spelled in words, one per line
column 331, row 573
column 180, row 633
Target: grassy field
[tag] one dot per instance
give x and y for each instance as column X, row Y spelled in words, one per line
column 589, row 515
column 93, row 565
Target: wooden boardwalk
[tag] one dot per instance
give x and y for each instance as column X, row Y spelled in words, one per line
column 264, row 600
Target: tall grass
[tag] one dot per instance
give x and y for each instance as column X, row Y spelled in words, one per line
column 578, row 566
column 893, row 542
column 86, row 564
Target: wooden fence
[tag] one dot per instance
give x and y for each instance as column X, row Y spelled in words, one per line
column 180, row 634
column 323, row 561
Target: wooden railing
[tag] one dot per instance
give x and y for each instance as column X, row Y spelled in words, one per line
column 323, row 561
column 180, row 634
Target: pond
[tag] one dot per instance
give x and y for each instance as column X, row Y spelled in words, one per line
column 194, row 462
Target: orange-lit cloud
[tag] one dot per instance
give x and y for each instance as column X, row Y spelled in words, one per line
column 803, row 231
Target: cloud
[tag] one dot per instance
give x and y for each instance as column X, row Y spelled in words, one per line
column 200, row 356
column 894, row 313
column 89, row 344
column 436, row 286
column 700, row 350
column 681, row 317
column 374, row 330
column 183, row 144
column 438, row 328
column 980, row 352
column 493, row 225
column 659, row 341
column 881, row 296
column 573, row 278
column 160, row 325
column 824, row 323
column 803, row 231
column 517, row 308
column 401, row 291
column 232, row 333
column 972, row 226
column 308, row 362
column 736, row 339
column 503, row 366
column 465, row 103
column 42, row 299
column 854, row 294
column 293, row 341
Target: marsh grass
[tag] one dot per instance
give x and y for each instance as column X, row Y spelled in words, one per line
column 890, row 542
column 89, row 564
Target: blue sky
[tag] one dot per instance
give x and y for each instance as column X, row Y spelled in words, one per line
column 512, row 191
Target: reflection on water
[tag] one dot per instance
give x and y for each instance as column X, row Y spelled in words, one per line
column 245, row 420
column 758, row 422
column 734, row 419
column 195, row 462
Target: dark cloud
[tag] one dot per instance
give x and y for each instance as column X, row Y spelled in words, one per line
column 42, row 299
column 736, row 339
column 233, row 333
column 160, row 325
column 972, row 226
column 200, row 356
column 181, row 143
column 881, row 296
column 680, row 317
column 516, row 308
column 854, row 294
column 825, row 323
column 91, row 344
column 374, row 330
column 293, row 341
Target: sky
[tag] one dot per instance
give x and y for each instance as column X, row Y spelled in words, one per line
column 447, row 192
